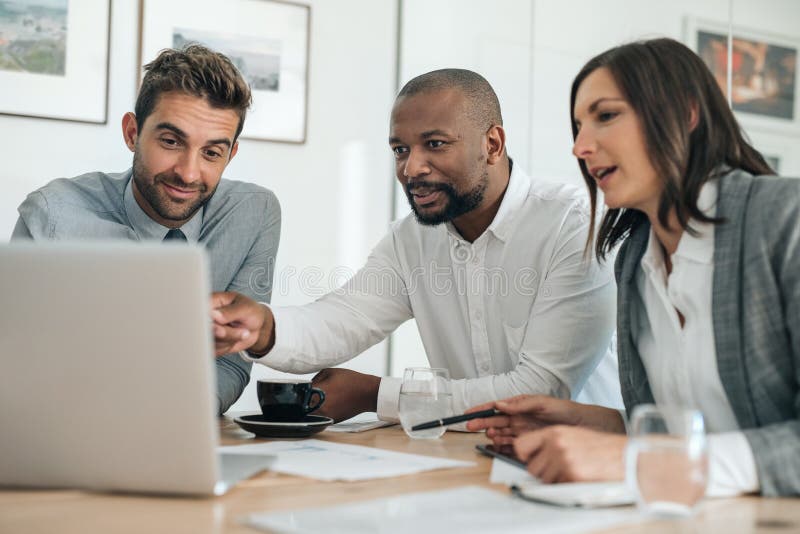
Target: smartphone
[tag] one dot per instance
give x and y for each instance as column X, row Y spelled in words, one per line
column 490, row 450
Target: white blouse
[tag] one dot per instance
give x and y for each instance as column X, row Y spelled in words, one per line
column 681, row 362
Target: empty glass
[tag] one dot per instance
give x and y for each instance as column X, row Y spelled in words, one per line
column 667, row 459
column 425, row 395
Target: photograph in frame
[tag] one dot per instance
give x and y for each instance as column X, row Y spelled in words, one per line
column 266, row 40
column 774, row 162
column 763, row 69
column 54, row 59
column 779, row 150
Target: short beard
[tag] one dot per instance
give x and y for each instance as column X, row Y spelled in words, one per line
column 165, row 207
column 457, row 204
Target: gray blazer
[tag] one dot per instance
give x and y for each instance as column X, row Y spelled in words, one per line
column 756, row 308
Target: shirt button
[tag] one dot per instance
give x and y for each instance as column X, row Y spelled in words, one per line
column 485, row 367
column 461, row 253
column 478, row 315
column 476, row 260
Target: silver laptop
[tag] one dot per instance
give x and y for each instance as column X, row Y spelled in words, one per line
column 107, row 380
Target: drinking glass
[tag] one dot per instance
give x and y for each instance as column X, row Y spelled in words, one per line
column 667, row 459
column 425, row 395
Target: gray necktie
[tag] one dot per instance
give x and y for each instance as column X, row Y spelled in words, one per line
column 175, row 235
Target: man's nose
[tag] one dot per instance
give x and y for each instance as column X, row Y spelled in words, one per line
column 188, row 168
column 416, row 165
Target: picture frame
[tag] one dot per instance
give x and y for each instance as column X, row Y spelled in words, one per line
column 778, row 149
column 268, row 40
column 54, row 55
column 764, row 76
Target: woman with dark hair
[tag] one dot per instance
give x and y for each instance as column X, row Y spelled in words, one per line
column 708, row 276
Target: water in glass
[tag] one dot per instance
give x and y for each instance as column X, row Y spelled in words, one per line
column 424, row 396
column 667, row 460
column 418, row 408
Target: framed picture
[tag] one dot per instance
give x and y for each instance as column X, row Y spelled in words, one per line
column 54, row 59
column 774, row 161
column 763, row 70
column 778, row 149
column 267, row 40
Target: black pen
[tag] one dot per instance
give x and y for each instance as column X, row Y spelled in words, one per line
column 456, row 419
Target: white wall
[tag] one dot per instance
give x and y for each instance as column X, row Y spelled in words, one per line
column 335, row 189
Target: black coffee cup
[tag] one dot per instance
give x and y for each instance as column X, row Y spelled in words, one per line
column 287, row 400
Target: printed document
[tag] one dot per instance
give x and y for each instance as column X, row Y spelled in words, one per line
column 465, row 510
column 325, row 460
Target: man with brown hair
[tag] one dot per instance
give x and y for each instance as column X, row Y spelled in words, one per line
column 189, row 113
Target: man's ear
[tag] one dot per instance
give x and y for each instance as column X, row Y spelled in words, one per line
column 496, row 144
column 130, row 130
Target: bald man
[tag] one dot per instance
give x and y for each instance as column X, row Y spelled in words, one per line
column 491, row 265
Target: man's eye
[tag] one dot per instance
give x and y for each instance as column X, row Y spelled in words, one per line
column 398, row 150
column 212, row 154
column 435, row 143
column 169, row 141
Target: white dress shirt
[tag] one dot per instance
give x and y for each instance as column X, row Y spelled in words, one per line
column 681, row 362
column 517, row 311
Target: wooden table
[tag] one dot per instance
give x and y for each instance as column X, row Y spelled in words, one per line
column 68, row 512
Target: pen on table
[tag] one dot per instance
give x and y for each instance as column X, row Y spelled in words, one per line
column 456, row 419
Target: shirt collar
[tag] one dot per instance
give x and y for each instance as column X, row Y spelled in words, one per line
column 699, row 248
column 147, row 228
column 653, row 258
column 519, row 185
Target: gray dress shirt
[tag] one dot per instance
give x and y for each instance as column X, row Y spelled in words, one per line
column 239, row 227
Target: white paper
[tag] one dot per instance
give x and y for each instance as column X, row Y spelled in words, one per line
column 585, row 494
column 325, row 460
column 509, row 474
column 360, row 423
column 464, row 510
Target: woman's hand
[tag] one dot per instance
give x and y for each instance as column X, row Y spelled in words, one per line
column 524, row 413
column 571, row 454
